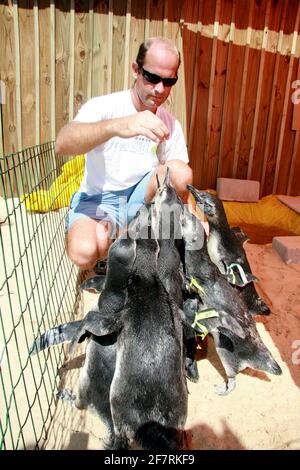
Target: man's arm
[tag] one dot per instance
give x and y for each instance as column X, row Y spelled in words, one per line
column 79, row 137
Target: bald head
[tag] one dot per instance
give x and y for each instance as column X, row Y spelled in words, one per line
column 152, row 45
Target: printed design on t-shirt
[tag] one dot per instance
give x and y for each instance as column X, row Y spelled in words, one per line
column 136, row 144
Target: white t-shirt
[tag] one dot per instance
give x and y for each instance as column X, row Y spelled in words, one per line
column 121, row 163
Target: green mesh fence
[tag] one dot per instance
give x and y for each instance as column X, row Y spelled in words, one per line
column 38, row 289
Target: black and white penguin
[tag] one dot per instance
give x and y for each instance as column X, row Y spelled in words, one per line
column 226, row 250
column 216, row 308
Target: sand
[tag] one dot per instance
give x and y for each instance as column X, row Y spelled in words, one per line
column 263, row 412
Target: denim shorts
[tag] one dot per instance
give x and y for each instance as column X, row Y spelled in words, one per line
column 117, row 207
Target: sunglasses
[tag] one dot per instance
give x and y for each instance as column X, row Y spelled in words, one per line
column 155, row 79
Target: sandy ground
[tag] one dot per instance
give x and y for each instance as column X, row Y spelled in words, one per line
column 263, row 412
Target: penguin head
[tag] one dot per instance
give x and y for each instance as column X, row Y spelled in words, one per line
column 208, row 203
column 166, row 211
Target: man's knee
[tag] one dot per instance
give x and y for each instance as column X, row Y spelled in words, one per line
column 83, row 253
column 86, row 245
column 181, row 174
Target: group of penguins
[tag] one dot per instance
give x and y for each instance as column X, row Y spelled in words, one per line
column 166, row 287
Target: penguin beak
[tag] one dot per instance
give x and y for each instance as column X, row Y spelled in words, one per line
column 167, row 178
column 194, row 192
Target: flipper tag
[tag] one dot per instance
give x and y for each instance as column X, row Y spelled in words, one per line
column 194, row 283
column 231, row 276
column 202, row 315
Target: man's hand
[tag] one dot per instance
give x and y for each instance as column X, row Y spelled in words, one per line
column 142, row 123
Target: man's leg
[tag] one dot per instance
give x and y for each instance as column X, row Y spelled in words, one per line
column 180, row 175
column 88, row 241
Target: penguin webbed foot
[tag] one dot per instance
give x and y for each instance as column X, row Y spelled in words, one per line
column 226, row 387
column 66, row 395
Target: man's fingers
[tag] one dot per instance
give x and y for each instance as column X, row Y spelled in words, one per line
column 152, row 135
column 147, row 124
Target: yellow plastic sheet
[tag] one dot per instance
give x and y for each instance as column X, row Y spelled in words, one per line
column 269, row 211
column 61, row 190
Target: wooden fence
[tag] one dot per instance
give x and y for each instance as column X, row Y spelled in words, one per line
column 240, row 65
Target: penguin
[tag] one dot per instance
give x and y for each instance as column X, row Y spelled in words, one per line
column 149, row 383
column 214, row 307
column 149, row 350
column 149, row 345
column 145, row 321
column 225, row 248
column 166, row 213
column 100, row 328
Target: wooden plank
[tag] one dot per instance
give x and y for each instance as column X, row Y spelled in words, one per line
column 52, row 69
column 296, row 107
column 18, row 76
column 289, row 154
column 81, row 54
column 296, row 152
column 294, row 186
column 45, row 67
column 259, row 91
column 110, row 49
column 256, row 57
column 127, row 61
column 156, row 15
column 197, row 145
column 209, row 155
column 64, row 70
column 190, row 52
column 147, row 20
column 176, row 102
column 226, row 105
column 37, row 71
column 137, row 32
column 251, row 100
column 27, row 87
column 266, row 90
column 274, row 115
column 238, row 152
column 71, row 61
column 165, row 17
column 8, row 77
column 284, row 151
column 27, row 73
column 90, row 48
column 285, row 106
column 101, row 50
column 118, row 52
column 221, row 63
column 238, row 34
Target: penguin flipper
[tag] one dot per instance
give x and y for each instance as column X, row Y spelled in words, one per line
column 96, row 283
column 97, row 324
column 230, row 325
column 226, row 387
